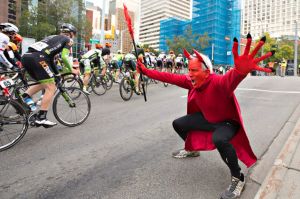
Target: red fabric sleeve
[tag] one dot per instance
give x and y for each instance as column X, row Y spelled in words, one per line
column 230, row 81
column 176, row 79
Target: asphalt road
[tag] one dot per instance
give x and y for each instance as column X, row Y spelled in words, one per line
column 123, row 150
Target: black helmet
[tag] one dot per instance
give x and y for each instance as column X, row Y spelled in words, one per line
column 66, row 27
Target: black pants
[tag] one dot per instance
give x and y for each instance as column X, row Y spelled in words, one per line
column 222, row 134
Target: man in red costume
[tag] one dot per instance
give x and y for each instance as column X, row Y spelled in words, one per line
column 213, row 117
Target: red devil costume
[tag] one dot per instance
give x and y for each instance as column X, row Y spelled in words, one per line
column 213, row 117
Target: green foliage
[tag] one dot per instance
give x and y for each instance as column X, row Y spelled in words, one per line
column 46, row 18
column 284, row 49
column 146, row 46
column 189, row 41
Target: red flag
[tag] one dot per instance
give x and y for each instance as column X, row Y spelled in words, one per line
column 128, row 20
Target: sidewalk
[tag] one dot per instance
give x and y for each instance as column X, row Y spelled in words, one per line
column 283, row 179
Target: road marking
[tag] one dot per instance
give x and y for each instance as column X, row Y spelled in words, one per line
column 269, row 91
column 261, row 90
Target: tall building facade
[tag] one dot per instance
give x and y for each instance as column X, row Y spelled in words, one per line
column 276, row 17
column 93, row 15
column 220, row 19
column 152, row 12
column 9, row 10
column 116, row 19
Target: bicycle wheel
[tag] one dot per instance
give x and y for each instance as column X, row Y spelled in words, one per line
column 72, row 81
column 109, row 80
column 71, row 115
column 125, row 89
column 13, row 123
column 98, row 85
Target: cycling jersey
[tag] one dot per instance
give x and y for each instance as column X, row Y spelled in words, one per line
column 130, row 61
column 52, row 45
column 4, row 41
column 94, row 56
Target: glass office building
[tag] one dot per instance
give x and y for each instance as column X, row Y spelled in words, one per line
column 220, row 19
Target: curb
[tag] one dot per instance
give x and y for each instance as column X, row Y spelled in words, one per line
column 274, row 180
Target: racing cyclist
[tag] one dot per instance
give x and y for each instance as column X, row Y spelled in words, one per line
column 7, row 33
column 94, row 56
column 39, row 62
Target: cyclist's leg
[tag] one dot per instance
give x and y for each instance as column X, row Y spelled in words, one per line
column 104, row 67
column 86, row 73
column 40, row 68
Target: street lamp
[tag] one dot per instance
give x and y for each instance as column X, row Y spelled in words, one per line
column 296, row 48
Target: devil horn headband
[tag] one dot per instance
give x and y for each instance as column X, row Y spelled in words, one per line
column 198, row 55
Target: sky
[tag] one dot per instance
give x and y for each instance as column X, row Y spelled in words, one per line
column 99, row 3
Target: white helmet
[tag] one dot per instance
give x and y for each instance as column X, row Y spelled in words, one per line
column 8, row 27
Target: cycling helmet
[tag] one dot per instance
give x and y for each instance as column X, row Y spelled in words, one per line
column 9, row 28
column 107, row 44
column 17, row 38
column 13, row 46
column 179, row 55
column 98, row 46
column 66, row 27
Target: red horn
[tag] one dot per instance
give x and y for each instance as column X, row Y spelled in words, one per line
column 187, row 54
column 198, row 55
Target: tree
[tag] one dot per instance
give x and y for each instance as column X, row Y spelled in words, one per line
column 283, row 48
column 45, row 18
column 189, row 41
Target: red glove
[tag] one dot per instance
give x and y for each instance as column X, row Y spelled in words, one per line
column 246, row 62
column 19, row 64
column 140, row 66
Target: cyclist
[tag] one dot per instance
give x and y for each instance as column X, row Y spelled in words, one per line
column 13, row 50
column 106, row 57
column 148, row 58
column 160, row 60
column 130, row 64
column 92, row 56
column 119, row 62
column 7, row 33
column 141, row 55
column 179, row 62
column 170, row 61
column 39, row 62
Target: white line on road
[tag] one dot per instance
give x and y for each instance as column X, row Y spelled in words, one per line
column 269, row 91
column 261, row 90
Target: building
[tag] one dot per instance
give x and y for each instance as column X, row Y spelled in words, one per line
column 117, row 21
column 219, row 19
column 9, row 11
column 276, row 17
column 154, row 11
column 222, row 21
column 93, row 15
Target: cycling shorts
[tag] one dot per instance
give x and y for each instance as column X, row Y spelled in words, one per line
column 38, row 67
column 169, row 64
column 114, row 64
column 85, row 66
column 159, row 63
column 130, row 64
column 179, row 64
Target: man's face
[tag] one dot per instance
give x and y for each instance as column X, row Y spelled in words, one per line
column 196, row 73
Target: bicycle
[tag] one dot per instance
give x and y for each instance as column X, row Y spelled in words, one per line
column 13, row 118
column 14, row 112
column 128, row 85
